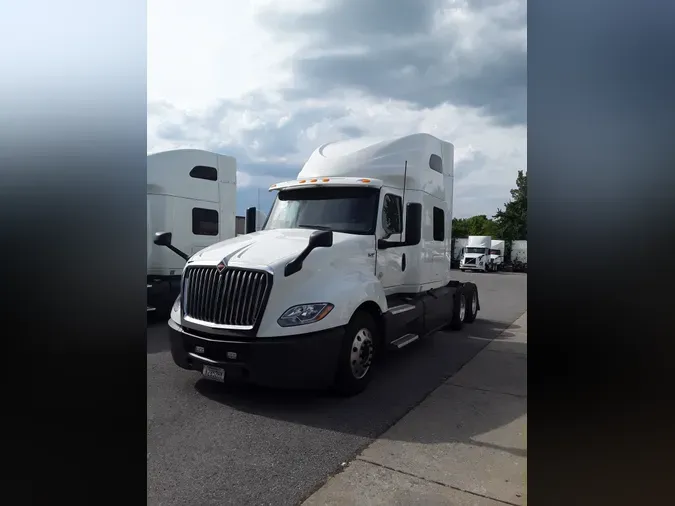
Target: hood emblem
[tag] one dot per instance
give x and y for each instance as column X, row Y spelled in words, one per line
column 221, row 266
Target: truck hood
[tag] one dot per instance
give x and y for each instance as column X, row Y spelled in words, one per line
column 267, row 248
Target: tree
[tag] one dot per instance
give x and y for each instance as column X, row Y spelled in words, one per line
column 511, row 223
column 476, row 225
column 460, row 228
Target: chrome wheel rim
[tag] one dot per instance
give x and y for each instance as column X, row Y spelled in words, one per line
column 462, row 307
column 361, row 355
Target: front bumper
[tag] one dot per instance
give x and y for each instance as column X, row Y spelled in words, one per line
column 308, row 360
column 472, row 267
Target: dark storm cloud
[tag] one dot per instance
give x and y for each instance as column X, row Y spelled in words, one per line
column 355, row 20
column 399, row 57
column 352, row 131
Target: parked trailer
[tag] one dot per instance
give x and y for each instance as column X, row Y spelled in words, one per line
column 191, row 194
column 497, row 247
column 354, row 258
column 519, row 256
column 458, row 250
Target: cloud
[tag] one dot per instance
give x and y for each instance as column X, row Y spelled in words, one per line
column 426, row 53
column 341, row 69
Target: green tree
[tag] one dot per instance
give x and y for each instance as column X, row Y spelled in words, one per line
column 476, row 225
column 481, row 225
column 460, row 228
column 511, row 223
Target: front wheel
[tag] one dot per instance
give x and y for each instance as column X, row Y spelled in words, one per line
column 356, row 355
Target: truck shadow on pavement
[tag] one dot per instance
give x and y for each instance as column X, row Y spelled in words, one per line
column 404, row 379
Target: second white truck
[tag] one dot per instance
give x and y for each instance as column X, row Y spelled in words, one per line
column 497, row 247
column 354, row 258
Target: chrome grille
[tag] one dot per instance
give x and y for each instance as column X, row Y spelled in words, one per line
column 469, row 261
column 232, row 297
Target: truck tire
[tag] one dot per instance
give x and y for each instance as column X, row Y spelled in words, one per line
column 471, row 303
column 458, row 309
column 354, row 368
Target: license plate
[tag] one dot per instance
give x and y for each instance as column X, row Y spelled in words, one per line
column 214, row 373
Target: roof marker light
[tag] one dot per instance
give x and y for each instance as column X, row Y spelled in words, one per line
column 365, row 180
column 313, row 180
column 325, row 179
column 302, row 181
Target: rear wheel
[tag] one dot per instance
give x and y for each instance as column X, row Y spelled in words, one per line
column 471, row 295
column 356, row 356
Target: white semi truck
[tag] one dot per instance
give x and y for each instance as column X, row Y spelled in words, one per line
column 476, row 254
column 191, row 195
column 353, row 258
column 497, row 247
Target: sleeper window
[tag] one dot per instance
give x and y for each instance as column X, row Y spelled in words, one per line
column 204, row 221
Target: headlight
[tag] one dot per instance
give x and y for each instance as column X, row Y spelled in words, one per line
column 303, row 314
column 176, row 305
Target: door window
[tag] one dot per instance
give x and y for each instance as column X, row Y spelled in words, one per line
column 392, row 215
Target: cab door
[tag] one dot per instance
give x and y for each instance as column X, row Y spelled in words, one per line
column 391, row 262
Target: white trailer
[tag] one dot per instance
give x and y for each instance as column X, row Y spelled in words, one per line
column 458, row 252
column 476, row 254
column 497, row 247
column 519, row 255
column 354, row 258
column 191, row 194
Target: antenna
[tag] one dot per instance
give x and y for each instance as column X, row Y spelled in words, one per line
column 405, row 178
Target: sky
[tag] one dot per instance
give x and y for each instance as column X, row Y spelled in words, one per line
column 268, row 81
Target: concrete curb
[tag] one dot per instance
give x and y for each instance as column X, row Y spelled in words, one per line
column 465, row 443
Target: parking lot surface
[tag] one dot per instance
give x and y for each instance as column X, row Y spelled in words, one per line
column 221, row 444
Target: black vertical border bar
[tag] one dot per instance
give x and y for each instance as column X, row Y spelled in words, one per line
column 73, row 244
column 601, row 162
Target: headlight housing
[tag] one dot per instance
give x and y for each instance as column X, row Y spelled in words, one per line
column 176, row 305
column 302, row 314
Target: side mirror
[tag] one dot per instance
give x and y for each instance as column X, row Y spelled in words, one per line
column 250, row 220
column 321, row 239
column 318, row 239
column 163, row 239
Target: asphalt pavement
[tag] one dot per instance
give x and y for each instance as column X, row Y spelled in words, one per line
column 222, row 444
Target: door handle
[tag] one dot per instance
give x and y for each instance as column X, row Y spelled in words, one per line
column 403, row 263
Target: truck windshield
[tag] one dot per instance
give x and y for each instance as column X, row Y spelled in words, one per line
column 495, row 252
column 475, row 250
column 348, row 210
